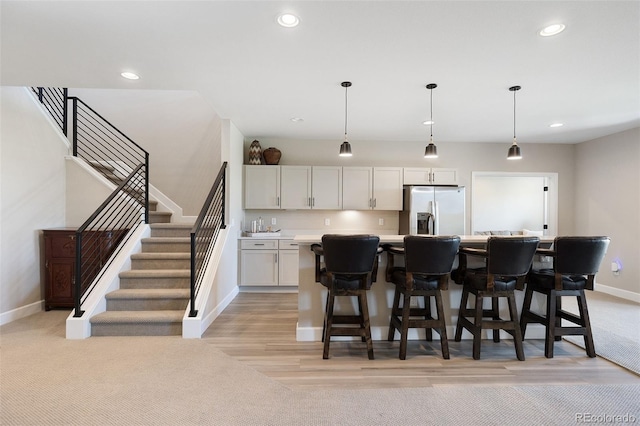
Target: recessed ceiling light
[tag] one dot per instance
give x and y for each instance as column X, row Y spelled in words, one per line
column 556, row 125
column 551, row 30
column 129, row 75
column 288, row 20
column 428, row 122
column 297, row 119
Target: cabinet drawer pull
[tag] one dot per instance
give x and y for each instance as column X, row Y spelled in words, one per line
column 256, row 244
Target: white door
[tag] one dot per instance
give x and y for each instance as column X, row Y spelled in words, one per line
column 326, row 192
column 295, row 187
column 357, row 187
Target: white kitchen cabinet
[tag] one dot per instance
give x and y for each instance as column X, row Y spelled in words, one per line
column 372, row 188
column 307, row 187
column 430, row 176
column 269, row 262
column 261, row 187
column 326, row 191
column 288, row 269
column 295, row 187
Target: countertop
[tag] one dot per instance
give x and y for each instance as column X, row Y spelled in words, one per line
column 398, row 239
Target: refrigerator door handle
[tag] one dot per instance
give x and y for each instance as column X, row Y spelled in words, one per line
column 436, row 224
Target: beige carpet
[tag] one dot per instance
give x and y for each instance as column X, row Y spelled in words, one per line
column 615, row 325
column 48, row 380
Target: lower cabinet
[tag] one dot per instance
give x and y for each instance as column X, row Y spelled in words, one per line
column 268, row 262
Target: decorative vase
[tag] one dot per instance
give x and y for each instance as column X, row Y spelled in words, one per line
column 272, row 155
column 255, row 153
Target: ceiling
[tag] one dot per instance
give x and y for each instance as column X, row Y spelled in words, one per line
column 260, row 75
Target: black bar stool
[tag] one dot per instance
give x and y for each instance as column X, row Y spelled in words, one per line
column 508, row 262
column 428, row 261
column 350, row 262
column 576, row 261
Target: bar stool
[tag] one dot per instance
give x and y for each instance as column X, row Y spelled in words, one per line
column 576, row 260
column 508, row 261
column 349, row 265
column 428, row 261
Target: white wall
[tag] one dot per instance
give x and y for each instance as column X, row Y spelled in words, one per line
column 180, row 131
column 607, row 199
column 32, row 197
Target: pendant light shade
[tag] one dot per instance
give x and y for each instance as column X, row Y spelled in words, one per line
column 431, row 151
column 514, row 150
column 345, row 148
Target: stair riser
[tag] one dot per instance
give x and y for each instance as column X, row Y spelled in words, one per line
column 160, row 264
column 157, row 329
column 129, row 283
column 159, row 218
column 146, row 304
column 153, row 247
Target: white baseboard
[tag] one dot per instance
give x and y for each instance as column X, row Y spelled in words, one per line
column 623, row 294
column 21, row 312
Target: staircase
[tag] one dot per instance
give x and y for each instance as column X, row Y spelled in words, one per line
column 154, row 294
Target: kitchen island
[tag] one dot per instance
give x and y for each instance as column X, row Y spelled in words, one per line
column 312, row 295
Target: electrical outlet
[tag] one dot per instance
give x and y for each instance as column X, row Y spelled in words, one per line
column 273, row 220
column 327, row 222
column 381, row 221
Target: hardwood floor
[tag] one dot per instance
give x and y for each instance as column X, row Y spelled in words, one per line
column 260, row 330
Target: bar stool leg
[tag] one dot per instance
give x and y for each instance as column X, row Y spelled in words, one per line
column 329, row 323
column 444, row 343
column 584, row 315
column 461, row 313
column 551, row 322
column 367, row 324
column 517, row 334
column 477, row 327
column 404, row 325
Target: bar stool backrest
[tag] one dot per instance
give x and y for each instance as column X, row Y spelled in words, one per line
column 433, row 255
column 579, row 255
column 349, row 254
column 511, row 256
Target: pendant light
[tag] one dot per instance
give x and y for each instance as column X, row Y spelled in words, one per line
column 431, row 151
column 345, row 148
column 514, row 150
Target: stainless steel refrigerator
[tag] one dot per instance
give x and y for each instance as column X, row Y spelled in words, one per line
column 433, row 210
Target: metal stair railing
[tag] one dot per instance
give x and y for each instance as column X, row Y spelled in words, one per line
column 120, row 160
column 54, row 100
column 204, row 233
column 103, row 235
column 106, row 148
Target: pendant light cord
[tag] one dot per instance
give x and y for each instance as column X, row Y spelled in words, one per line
column 431, row 110
column 514, row 115
column 345, row 112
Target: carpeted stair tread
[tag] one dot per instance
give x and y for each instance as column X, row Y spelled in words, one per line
column 137, row 317
column 171, row 225
column 161, row 256
column 155, row 273
column 150, row 293
column 159, row 240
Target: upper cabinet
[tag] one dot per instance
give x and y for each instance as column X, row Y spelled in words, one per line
column 293, row 187
column 430, row 176
column 307, row 187
column 261, row 187
column 372, row 188
column 326, row 187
